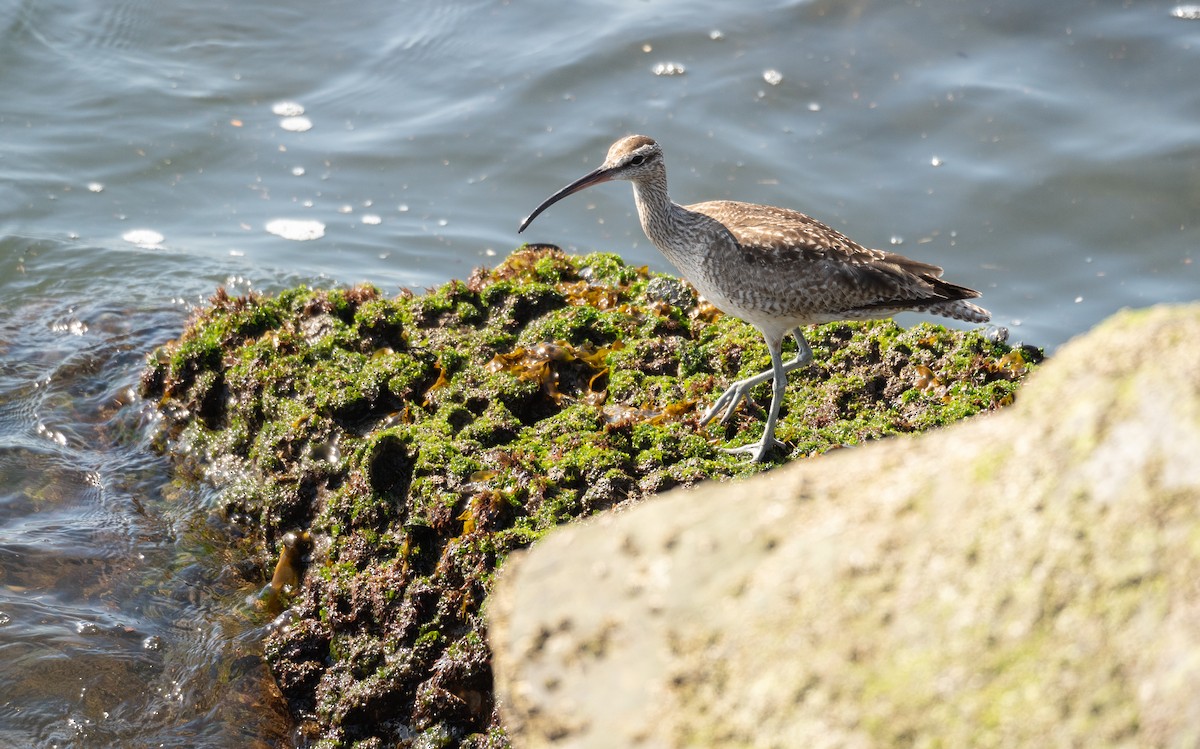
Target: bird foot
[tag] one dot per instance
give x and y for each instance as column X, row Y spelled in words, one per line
column 728, row 401
column 759, row 450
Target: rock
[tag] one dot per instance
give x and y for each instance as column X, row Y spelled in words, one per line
column 1026, row 578
column 416, row 440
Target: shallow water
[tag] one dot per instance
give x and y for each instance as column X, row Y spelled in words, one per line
column 1045, row 153
column 119, row 626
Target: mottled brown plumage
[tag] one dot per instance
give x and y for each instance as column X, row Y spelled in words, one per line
column 775, row 268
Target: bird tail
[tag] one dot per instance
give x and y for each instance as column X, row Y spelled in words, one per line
column 955, row 304
column 959, row 310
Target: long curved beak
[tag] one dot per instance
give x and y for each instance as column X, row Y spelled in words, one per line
column 595, row 177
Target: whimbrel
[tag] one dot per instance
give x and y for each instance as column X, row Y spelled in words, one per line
column 775, row 268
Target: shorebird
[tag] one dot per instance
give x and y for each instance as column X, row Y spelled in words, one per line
column 774, row 268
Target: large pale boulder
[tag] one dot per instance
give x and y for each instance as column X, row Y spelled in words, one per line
column 1030, row 578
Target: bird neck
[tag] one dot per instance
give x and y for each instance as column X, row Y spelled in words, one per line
column 660, row 216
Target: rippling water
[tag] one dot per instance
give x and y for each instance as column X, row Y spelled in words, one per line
column 1046, row 153
column 119, row 626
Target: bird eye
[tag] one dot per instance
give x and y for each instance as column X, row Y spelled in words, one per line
column 637, row 160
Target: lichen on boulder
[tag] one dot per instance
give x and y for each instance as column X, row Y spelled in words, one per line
column 418, row 439
column 1025, row 580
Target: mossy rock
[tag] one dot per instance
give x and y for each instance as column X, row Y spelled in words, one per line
column 420, row 439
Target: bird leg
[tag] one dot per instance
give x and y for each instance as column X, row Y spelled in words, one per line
column 768, row 442
column 736, row 392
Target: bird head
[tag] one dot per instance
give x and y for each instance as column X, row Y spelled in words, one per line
column 633, row 158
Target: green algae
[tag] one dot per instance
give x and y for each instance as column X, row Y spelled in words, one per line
column 420, row 439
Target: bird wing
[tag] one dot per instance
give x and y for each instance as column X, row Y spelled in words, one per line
column 781, row 247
